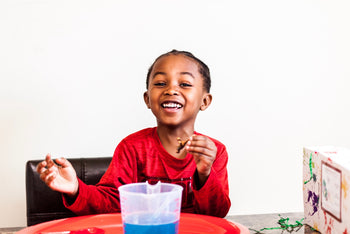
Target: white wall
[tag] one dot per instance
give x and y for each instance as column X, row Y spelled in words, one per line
column 72, row 75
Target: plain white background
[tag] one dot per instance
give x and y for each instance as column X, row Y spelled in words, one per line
column 72, row 76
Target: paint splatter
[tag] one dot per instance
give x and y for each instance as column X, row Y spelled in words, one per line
column 345, row 231
column 324, row 189
column 345, row 187
column 311, row 174
column 284, row 226
column 314, row 201
column 328, row 225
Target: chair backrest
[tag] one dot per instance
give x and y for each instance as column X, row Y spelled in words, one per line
column 44, row 204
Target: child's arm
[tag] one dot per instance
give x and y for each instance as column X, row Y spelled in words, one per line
column 60, row 177
column 104, row 196
column 211, row 192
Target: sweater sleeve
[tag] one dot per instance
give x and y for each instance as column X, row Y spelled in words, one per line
column 104, row 196
column 213, row 197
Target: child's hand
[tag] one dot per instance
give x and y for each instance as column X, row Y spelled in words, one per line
column 61, row 177
column 204, row 153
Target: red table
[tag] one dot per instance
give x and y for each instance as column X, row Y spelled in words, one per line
column 112, row 223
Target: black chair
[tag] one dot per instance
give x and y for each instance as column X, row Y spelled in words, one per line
column 43, row 204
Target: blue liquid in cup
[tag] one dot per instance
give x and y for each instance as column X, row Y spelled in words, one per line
column 169, row 228
column 168, row 224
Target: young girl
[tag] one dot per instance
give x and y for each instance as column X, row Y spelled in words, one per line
column 178, row 87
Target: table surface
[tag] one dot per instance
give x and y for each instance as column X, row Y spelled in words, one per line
column 255, row 222
column 258, row 222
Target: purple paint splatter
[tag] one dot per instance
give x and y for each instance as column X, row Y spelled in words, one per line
column 314, row 199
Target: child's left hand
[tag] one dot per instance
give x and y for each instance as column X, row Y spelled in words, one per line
column 204, row 153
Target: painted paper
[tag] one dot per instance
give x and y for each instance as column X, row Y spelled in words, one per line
column 326, row 179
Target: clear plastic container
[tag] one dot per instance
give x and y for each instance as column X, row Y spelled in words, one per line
column 149, row 208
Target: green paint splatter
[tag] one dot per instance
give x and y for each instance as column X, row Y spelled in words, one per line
column 284, row 225
column 310, row 166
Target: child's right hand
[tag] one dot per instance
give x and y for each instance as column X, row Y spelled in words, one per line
column 61, row 177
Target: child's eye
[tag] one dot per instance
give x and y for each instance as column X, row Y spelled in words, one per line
column 159, row 84
column 185, row 85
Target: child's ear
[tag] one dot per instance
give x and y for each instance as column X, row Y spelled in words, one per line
column 146, row 99
column 207, row 98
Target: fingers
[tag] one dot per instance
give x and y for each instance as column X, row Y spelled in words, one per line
column 42, row 166
column 63, row 162
column 50, row 163
column 59, row 175
column 201, row 145
column 47, row 169
column 48, row 176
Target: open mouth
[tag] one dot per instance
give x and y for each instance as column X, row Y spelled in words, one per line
column 172, row 105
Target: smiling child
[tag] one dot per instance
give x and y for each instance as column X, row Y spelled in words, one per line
column 178, row 87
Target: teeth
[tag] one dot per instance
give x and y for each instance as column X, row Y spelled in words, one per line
column 171, row 105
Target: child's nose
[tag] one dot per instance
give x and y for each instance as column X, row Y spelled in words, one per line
column 171, row 90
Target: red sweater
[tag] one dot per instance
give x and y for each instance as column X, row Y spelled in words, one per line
column 141, row 157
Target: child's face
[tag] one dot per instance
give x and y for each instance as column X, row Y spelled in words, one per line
column 175, row 92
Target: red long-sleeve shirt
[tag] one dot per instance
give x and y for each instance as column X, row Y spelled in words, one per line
column 141, row 157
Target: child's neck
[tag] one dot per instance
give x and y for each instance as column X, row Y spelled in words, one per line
column 169, row 139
